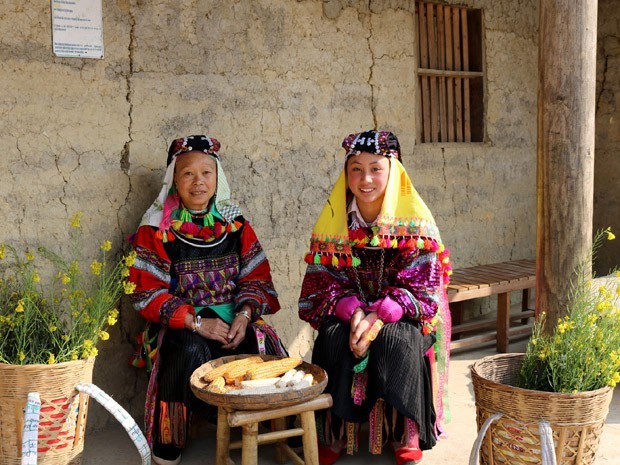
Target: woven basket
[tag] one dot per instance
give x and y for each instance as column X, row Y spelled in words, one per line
column 576, row 420
column 63, row 410
column 257, row 401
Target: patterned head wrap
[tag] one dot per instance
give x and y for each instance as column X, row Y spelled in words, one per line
column 182, row 145
column 378, row 142
column 166, row 206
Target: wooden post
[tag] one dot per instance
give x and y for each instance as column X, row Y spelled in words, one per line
column 565, row 172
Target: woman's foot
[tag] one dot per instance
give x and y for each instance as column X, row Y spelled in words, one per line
column 328, row 455
column 166, row 454
column 407, row 455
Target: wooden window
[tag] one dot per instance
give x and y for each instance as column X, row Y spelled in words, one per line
column 450, row 73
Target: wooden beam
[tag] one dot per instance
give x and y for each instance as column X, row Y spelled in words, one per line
column 565, row 147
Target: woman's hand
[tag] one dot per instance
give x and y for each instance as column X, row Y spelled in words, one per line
column 358, row 340
column 210, row 328
column 238, row 329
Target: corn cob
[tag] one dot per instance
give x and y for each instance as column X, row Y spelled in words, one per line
column 297, row 377
column 256, row 383
column 286, row 378
column 217, row 385
column 228, row 367
column 272, row 368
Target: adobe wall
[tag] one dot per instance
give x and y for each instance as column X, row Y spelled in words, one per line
column 279, row 84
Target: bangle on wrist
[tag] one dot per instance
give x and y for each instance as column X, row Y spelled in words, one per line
column 245, row 313
column 195, row 328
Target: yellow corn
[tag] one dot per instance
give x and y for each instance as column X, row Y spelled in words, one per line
column 217, row 385
column 244, row 363
column 272, row 368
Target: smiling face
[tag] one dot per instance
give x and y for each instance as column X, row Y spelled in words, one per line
column 195, row 178
column 367, row 178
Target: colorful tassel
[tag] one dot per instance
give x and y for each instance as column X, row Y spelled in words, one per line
column 420, row 243
column 334, row 261
column 317, row 259
column 374, row 241
column 185, row 215
column 356, row 261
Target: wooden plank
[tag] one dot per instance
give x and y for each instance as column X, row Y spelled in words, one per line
column 424, row 63
column 488, row 290
column 432, row 63
column 441, row 64
column 461, row 74
column 458, row 83
column 466, row 92
column 447, row 14
column 484, row 323
column 488, row 337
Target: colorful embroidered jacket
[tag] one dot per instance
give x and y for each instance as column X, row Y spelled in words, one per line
column 173, row 278
column 410, row 277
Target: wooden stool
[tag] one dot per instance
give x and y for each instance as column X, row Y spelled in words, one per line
column 249, row 419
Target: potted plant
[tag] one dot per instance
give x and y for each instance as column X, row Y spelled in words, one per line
column 54, row 310
column 549, row 405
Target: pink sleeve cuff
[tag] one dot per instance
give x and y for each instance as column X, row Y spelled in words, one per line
column 388, row 310
column 345, row 308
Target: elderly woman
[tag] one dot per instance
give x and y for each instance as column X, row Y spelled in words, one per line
column 375, row 290
column 202, row 277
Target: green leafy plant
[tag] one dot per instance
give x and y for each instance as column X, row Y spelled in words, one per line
column 63, row 317
column 583, row 351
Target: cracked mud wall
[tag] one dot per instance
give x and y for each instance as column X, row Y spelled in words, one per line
column 279, row 83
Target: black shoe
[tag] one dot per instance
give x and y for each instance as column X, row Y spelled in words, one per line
column 166, row 454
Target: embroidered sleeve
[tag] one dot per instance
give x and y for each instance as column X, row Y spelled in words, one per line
column 255, row 286
column 323, row 287
column 151, row 275
column 416, row 287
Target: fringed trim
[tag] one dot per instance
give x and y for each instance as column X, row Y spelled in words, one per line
column 208, row 233
column 375, row 420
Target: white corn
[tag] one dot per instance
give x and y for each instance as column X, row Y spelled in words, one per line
column 286, row 377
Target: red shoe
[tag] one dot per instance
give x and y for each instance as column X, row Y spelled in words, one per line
column 327, row 455
column 407, row 455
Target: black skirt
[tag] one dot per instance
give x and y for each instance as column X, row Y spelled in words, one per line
column 398, row 372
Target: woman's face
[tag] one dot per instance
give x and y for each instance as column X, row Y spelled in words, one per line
column 195, row 178
column 367, row 177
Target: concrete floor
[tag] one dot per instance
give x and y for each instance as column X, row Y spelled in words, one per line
column 113, row 446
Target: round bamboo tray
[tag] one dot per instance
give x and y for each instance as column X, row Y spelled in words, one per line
column 258, row 401
column 576, row 420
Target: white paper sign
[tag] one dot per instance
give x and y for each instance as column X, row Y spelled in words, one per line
column 77, row 28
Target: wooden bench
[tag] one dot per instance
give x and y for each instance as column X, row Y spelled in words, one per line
column 485, row 280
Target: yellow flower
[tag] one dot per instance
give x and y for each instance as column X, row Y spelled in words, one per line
column 88, row 343
column 75, row 220
column 65, row 279
column 129, row 287
column 610, row 236
column 104, row 335
column 74, row 356
column 111, row 320
column 36, row 278
column 52, row 359
column 2, row 251
column 20, row 307
column 65, row 337
column 106, row 246
column 96, row 267
column 21, row 356
column 29, row 256
column 125, row 272
column 53, row 328
column 130, row 259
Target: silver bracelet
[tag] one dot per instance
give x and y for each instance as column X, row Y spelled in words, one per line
column 245, row 313
column 197, row 323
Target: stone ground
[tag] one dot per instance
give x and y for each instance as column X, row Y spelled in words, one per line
column 113, row 446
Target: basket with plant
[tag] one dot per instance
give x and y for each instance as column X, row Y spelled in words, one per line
column 549, row 405
column 55, row 308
